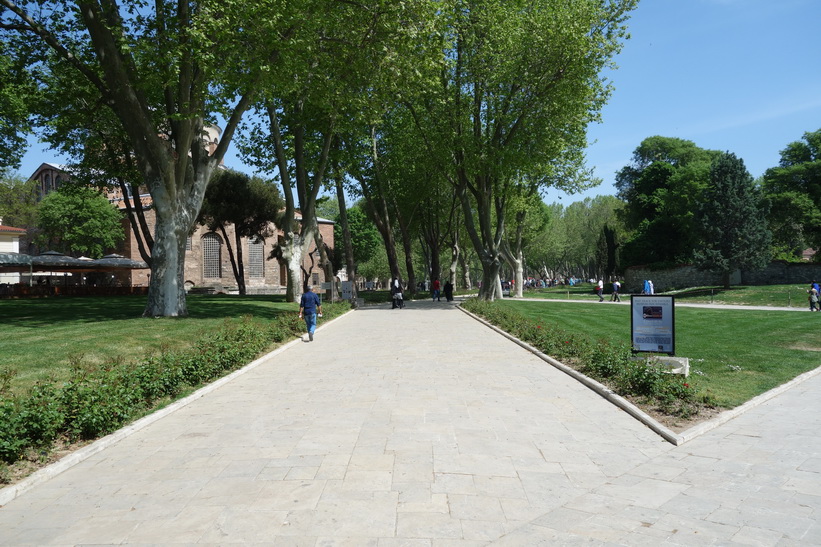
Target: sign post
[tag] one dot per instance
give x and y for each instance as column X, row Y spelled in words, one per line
column 653, row 324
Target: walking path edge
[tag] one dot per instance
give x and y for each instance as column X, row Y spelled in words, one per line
column 12, row 491
column 667, row 434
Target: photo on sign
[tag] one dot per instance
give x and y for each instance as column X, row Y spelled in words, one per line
column 652, row 312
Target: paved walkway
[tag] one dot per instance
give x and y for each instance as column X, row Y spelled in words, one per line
column 424, row 427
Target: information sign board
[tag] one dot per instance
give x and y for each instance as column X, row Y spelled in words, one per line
column 653, row 324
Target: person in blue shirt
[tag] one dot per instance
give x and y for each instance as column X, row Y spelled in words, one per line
column 309, row 306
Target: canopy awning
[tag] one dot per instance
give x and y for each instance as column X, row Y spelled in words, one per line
column 56, row 262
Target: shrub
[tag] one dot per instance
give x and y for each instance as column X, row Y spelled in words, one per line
column 612, row 365
column 97, row 400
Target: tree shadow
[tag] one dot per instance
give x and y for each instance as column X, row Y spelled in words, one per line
column 42, row 312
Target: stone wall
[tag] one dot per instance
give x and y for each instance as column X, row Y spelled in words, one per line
column 781, row 273
column 681, row 277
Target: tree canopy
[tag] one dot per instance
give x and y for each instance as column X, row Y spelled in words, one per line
column 249, row 205
column 78, row 220
column 793, row 189
column 660, row 188
column 732, row 221
column 163, row 70
column 519, row 83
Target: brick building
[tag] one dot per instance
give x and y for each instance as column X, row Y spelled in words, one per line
column 207, row 261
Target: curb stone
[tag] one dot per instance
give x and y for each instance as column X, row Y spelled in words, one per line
column 12, row 491
column 630, row 408
column 599, row 388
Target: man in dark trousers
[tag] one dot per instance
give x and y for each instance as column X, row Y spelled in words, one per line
column 309, row 306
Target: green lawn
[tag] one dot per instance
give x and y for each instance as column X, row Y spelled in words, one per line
column 43, row 337
column 734, row 354
column 771, row 295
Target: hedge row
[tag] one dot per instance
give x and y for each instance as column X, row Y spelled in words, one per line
column 97, row 401
column 610, row 364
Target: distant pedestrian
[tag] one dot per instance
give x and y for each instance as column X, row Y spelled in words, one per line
column 397, row 298
column 448, row 291
column 436, row 287
column 310, row 306
column 600, row 290
column 616, row 289
column 814, row 300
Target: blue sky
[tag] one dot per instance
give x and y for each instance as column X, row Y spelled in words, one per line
column 737, row 75
column 742, row 76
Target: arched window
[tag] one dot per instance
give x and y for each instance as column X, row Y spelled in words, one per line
column 211, row 256
column 256, row 260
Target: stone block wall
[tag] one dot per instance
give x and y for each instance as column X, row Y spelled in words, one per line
column 777, row 273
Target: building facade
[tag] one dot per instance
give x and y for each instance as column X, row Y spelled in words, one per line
column 207, row 259
column 10, row 243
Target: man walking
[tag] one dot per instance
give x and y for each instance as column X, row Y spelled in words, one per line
column 309, row 306
column 616, row 289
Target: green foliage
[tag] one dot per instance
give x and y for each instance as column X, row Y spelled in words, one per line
column 365, row 238
column 97, row 400
column 732, row 221
column 610, row 364
column 16, row 92
column 79, row 220
column 794, row 192
column 18, row 202
column 250, row 205
column 575, row 238
column 661, row 187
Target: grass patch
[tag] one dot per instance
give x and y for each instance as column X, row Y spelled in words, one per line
column 78, row 399
column 783, row 296
column 43, row 337
column 735, row 355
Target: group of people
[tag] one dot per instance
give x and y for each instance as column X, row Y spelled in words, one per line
column 616, row 290
column 398, row 299
column 814, row 295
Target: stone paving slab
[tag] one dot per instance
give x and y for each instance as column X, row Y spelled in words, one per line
column 423, row 427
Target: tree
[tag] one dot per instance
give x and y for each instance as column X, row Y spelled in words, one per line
column 365, row 238
column 732, row 221
column 794, row 191
column 163, row 69
column 575, row 242
column 16, row 90
column 520, row 82
column 660, row 189
column 342, row 53
column 80, row 221
column 249, row 204
column 529, row 217
column 18, row 204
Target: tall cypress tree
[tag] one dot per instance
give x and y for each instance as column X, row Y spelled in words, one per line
column 732, row 221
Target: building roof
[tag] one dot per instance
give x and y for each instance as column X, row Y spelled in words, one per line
column 11, row 230
column 53, row 261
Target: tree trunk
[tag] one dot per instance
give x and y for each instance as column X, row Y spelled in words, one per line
column 294, row 248
column 166, row 292
column 454, row 262
column 325, row 263
column 463, row 263
column 350, row 267
column 725, row 279
column 407, row 246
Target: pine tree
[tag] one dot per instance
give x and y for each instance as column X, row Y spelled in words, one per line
column 732, row 221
